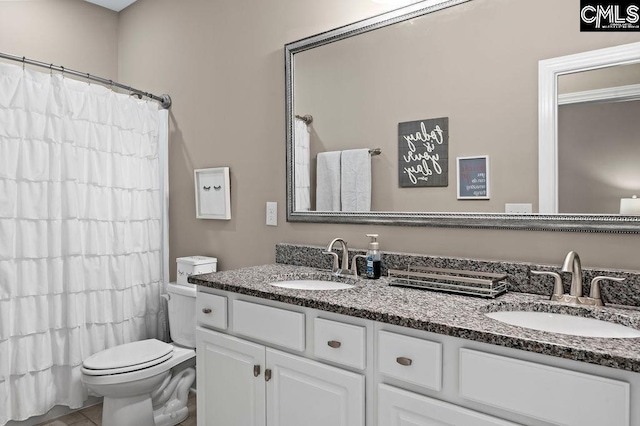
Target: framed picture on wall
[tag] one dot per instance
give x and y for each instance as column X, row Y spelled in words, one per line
column 213, row 200
column 473, row 177
column 423, row 153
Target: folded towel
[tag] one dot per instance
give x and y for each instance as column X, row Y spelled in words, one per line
column 356, row 180
column 328, row 181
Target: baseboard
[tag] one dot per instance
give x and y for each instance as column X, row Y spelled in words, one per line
column 57, row 411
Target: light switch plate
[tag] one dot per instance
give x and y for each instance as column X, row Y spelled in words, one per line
column 518, row 208
column 272, row 213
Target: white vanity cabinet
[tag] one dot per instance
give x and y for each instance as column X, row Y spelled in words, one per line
column 306, row 392
column 245, row 383
column 410, row 359
column 231, row 387
column 425, row 379
column 416, row 363
column 538, row 391
column 267, row 363
column 397, row 407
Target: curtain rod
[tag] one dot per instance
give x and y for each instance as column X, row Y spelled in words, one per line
column 165, row 100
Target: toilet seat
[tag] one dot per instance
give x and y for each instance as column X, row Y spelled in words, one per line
column 127, row 358
column 177, row 356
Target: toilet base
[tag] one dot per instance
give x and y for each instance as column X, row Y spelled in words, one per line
column 171, row 419
column 170, row 404
column 134, row 410
column 170, row 401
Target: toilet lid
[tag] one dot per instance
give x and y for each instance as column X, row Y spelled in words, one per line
column 129, row 357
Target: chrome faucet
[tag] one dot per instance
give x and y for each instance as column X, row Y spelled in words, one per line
column 338, row 269
column 575, row 296
column 572, row 264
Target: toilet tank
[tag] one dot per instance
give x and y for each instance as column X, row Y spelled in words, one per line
column 182, row 314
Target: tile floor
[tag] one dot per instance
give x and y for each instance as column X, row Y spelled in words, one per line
column 92, row 416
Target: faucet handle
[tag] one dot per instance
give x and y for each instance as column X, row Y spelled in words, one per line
column 354, row 264
column 336, row 265
column 595, row 287
column 558, row 287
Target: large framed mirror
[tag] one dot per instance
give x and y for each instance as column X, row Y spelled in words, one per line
column 478, row 64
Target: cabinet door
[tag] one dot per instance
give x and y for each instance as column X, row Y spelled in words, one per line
column 554, row 395
column 305, row 392
column 398, row 407
column 229, row 391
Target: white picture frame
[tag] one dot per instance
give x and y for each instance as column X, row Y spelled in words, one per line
column 472, row 181
column 213, row 193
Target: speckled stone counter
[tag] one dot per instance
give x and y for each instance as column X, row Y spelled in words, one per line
column 453, row 315
column 519, row 276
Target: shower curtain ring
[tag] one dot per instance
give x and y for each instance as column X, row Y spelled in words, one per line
column 23, row 59
column 88, row 79
column 51, row 70
column 62, row 69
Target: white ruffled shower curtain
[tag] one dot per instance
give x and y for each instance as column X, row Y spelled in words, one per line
column 80, row 233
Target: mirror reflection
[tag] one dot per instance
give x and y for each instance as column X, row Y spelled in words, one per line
column 598, row 147
column 474, row 64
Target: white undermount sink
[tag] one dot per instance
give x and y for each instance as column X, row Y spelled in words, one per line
column 565, row 324
column 312, row 285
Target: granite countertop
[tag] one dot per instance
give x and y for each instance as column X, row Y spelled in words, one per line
column 453, row 315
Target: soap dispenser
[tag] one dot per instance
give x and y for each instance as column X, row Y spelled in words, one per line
column 374, row 258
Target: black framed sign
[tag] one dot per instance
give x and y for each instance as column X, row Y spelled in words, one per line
column 423, row 153
column 473, row 177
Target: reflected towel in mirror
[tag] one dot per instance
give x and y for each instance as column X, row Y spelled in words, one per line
column 302, row 167
column 328, row 181
column 356, row 180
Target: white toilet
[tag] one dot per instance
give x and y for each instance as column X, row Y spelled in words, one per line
column 135, row 378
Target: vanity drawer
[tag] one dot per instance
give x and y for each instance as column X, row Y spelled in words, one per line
column 339, row 342
column 211, row 310
column 399, row 407
column 268, row 324
column 542, row 392
column 410, row 359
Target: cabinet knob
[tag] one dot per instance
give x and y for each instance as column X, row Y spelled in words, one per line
column 403, row 361
column 256, row 370
column 267, row 374
column 334, row 344
column 206, row 310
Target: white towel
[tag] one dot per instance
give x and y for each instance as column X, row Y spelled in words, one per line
column 328, row 181
column 302, row 167
column 356, row 180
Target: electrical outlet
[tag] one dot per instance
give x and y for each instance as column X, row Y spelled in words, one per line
column 518, row 208
column 272, row 213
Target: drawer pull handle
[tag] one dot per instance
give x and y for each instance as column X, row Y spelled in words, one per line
column 206, row 310
column 334, row 344
column 403, row 361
